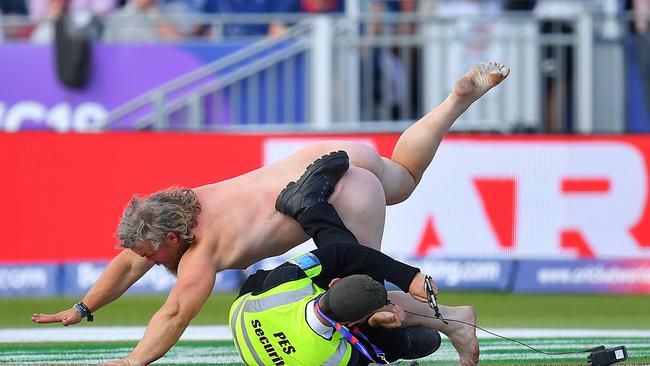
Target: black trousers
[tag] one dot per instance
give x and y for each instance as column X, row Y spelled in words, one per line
column 393, row 342
column 324, row 225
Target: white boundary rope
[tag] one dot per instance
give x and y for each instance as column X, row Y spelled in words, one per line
column 221, row 332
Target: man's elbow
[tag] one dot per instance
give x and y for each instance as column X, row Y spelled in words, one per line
column 183, row 320
column 186, row 315
column 186, row 299
column 190, row 309
column 178, row 314
column 180, row 320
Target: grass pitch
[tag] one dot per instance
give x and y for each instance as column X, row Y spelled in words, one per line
column 493, row 352
column 495, row 310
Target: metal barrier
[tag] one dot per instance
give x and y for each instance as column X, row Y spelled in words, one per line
column 212, row 95
column 365, row 73
column 405, row 74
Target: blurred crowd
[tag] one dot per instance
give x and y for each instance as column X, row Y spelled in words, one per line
column 154, row 20
column 172, row 20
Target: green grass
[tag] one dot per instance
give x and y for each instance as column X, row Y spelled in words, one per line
column 556, row 311
column 127, row 310
column 494, row 352
column 494, row 310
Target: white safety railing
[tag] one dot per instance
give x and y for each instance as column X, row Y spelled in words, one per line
column 212, row 94
column 359, row 73
column 403, row 75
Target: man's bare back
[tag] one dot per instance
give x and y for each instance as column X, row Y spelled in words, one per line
column 255, row 230
column 238, row 224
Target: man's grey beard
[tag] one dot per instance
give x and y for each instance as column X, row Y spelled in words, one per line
column 172, row 267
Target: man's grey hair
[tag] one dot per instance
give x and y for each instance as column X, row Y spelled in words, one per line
column 172, row 210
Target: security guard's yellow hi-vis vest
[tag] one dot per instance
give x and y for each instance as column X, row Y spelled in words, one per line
column 270, row 328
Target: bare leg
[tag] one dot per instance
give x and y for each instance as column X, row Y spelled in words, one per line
column 418, row 144
column 359, row 200
column 462, row 337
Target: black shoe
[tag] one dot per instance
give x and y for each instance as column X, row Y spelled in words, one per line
column 314, row 186
column 423, row 342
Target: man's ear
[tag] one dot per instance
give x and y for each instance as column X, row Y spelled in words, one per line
column 333, row 281
column 172, row 237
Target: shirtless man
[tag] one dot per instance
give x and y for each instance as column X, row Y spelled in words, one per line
column 233, row 224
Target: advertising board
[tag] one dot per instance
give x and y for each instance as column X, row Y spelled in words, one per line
column 482, row 197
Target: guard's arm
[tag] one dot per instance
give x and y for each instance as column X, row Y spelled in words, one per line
column 341, row 254
column 122, row 272
column 345, row 259
column 195, row 282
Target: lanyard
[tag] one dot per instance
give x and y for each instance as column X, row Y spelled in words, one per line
column 352, row 338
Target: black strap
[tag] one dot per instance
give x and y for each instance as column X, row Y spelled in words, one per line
column 84, row 310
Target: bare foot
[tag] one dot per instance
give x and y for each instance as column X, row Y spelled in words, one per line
column 479, row 80
column 463, row 336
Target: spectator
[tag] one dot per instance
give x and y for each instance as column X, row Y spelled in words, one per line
column 411, row 105
column 558, row 17
column 277, row 27
column 40, row 9
column 140, row 21
column 81, row 12
column 383, row 68
column 72, row 34
column 10, row 30
column 184, row 14
column 321, row 6
column 265, row 26
column 44, row 31
column 477, row 31
column 518, row 5
column 241, row 30
column 18, row 7
column 641, row 31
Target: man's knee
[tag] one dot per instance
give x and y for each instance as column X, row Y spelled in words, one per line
column 361, row 155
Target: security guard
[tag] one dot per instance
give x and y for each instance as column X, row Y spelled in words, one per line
column 287, row 317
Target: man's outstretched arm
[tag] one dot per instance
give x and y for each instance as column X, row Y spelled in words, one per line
column 196, row 278
column 123, row 271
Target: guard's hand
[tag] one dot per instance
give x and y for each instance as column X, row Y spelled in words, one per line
column 388, row 319
column 66, row 317
column 416, row 289
column 123, row 362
